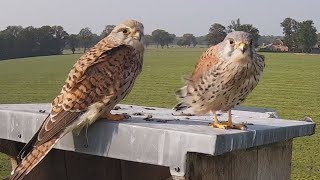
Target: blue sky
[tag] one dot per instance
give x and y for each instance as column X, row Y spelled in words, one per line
column 175, row 16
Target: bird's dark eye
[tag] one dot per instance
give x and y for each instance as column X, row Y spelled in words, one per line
column 231, row 41
column 125, row 31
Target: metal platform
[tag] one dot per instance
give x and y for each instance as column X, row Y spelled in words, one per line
column 156, row 135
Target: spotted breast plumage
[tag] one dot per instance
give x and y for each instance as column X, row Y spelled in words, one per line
column 99, row 80
column 223, row 77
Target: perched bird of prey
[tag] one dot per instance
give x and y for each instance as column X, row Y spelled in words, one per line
column 223, row 77
column 99, row 80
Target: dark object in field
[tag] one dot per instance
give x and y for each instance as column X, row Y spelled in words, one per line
column 138, row 114
column 127, row 116
column 246, row 123
column 131, row 106
column 116, row 108
column 148, row 118
column 272, row 115
column 162, row 121
column 42, row 111
column 183, row 114
column 147, row 108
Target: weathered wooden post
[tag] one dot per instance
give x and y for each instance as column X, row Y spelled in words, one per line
column 156, row 145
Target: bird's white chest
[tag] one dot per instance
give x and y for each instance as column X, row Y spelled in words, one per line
column 228, row 85
column 237, row 85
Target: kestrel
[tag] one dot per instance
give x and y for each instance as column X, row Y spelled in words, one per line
column 99, row 80
column 223, row 77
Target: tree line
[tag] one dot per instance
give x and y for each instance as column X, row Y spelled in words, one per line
column 17, row 42
column 299, row 36
column 218, row 32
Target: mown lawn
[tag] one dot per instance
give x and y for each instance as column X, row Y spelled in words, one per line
column 291, row 85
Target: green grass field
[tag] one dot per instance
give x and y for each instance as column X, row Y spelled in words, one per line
column 291, row 85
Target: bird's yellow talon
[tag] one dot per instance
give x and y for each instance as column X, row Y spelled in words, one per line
column 219, row 125
column 116, row 117
column 228, row 125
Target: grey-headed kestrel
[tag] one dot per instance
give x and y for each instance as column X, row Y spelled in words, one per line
column 99, row 80
column 223, row 77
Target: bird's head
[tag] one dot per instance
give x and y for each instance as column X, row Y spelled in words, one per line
column 238, row 45
column 129, row 32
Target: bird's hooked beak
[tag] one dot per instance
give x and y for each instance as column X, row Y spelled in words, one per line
column 243, row 47
column 138, row 35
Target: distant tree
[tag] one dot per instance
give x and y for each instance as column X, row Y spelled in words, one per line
column 162, row 37
column 169, row 39
column 13, row 31
column 95, row 39
column 181, row 42
column 107, row 30
column 9, row 41
column 189, row 39
column 60, row 36
column 147, row 40
column 85, row 37
column 3, row 48
column 234, row 26
column 318, row 38
column 307, row 35
column 249, row 28
column 47, row 45
column 27, row 41
column 217, row 33
column 73, row 42
column 194, row 42
column 290, row 31
column 16, row 41
column 50, row 40
column 202, row 40
column 157, row 36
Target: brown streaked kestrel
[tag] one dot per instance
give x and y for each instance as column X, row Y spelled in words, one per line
column 99, row 80
column 223, row 77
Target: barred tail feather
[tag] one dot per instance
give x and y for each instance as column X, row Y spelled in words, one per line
column 182, row 95
column 32, row 159
column 181, row 106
